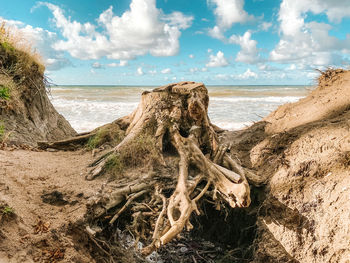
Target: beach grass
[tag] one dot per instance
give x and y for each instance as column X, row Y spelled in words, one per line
column 139, row 153
column 18, row 59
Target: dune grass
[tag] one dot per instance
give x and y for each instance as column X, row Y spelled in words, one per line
column 18, row 59
column 139, row 153
column 110, row 133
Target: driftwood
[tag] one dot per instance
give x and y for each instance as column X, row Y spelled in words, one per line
column 68, row 144
column 162, row 201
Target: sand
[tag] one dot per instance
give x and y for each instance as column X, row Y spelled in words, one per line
column 300, row 213
column 25, row 177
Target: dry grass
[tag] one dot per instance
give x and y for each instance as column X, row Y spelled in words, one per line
column 18, row 60
column 139, row 153
column 12, row 38
column 110, row 133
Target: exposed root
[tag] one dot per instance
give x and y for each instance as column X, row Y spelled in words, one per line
column 176, row 117
column 130, row 199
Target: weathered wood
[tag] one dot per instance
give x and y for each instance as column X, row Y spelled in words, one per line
column 69, row 144
column 176, row 114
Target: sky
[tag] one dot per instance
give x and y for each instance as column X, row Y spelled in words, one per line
column 154, row 42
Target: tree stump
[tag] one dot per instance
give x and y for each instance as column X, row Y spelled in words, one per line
column 161, row 202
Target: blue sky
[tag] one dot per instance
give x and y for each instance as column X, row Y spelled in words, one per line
column 148, row 42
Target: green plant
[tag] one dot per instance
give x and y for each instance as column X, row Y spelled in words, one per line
column 114, row 164
column 140, row 152
column 7, row 210
column 18, row 59
column 109, row 133
column 7, row 46
column 4, row 92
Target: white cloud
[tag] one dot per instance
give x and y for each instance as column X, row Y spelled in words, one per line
column 217, row 60
column 292, row 67
column 248, row 74
column 166, row 71
column 140, row 30
column 97, row 65
column 216, row 32
column 178, row 19
column 139, row 71
column 249, row 52
column 122, row 63
column 265, row 26
column 191, row 56
column 152, row 72
column 309, row 42
column 227, row 13
column 222, row 76
column 194, row 70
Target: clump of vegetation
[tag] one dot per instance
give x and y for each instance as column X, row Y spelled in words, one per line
column 110, row 133
column 4, row 93
column 18, row 59
column 140, row 152
column 7, row 212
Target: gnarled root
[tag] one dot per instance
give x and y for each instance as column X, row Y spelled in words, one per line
column 176, row 116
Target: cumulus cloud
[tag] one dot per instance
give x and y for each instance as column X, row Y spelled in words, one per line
column 249, row 52
column 43, row 41
column 265, row 26
column 97, row 65
column 310, row 42
column 139, row 71
column 248, row 74
column 166, row 71
column 217, row 60
column 152, row 72
column 227, row 13
column 122, row 63
column 140, row 30
column 195, row 69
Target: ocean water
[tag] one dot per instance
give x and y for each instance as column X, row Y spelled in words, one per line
column 230, row 107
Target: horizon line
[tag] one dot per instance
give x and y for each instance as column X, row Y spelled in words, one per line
column 137, row 85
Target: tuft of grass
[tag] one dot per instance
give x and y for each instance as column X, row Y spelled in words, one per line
column 115, row 165
column 18, row 59
column 7, row 210
column 110, row 133
column 4, row 92
column 12, row 40
column 140, row 152
column 6, row 213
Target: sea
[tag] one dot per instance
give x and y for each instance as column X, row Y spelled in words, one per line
column 230, row 107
